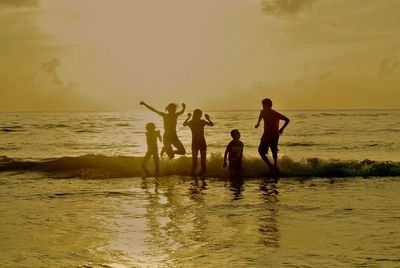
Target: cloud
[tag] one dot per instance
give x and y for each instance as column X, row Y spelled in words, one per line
column 51, row 69
column 285, row 7
column 15, row 4
column 388, row 67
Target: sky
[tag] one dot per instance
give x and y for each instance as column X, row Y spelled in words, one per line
column 95, row 55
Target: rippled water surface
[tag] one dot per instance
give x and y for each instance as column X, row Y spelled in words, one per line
column 346, row 135
column 178, row 222
column 94, row 219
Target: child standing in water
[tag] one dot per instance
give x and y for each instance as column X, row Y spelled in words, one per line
column 170, row 137
column 234, row 153
column 271, row 133
column 196, row 125
column 152, row 149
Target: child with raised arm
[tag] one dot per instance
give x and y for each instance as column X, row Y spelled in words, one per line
column 234, row 153
column 196, row 125
column 271, row 133
column 152, row 149
column 170, row 120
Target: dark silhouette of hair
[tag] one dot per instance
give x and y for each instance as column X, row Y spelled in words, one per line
column 267, row 103
column 171, row 106
column 150, row 126
column 197, row 113
column 235, row 134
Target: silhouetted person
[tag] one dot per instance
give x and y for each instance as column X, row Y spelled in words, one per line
column 234, row 153
column 198, row 140
column 271, row 133
column 152, row 149
column 170, row 137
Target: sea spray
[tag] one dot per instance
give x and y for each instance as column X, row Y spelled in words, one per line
column 99, row 166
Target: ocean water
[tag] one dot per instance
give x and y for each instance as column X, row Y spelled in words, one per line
column 345, row 135
column 71, row 194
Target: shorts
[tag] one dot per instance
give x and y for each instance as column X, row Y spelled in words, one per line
column 268, row 143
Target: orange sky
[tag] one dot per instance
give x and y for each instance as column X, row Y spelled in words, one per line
column 227, row 54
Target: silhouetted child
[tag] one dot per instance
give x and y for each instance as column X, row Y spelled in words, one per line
column 234, row 153
column 271, row 133
column 170, row 137
column 152, row 149
column 198, row 140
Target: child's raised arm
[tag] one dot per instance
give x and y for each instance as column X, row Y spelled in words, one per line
column 183, row 109
column 151, row 108
column 187, row 119
column 259, row 120
column 208, row 122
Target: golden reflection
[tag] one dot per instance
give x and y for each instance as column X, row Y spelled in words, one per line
column 269, row 227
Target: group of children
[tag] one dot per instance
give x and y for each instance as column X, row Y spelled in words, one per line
column 234, row 150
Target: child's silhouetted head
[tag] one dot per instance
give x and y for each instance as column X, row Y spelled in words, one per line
column 150, row 127
column 235, row 134
column 267, row 103
column 171, row 108
column 197, row 114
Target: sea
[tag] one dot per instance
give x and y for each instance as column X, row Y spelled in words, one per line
column 72, row 193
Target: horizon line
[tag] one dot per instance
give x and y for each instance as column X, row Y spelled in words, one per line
column 211, row 110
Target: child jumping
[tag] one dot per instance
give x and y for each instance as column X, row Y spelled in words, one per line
column 170, row 137
column 152, row 149
column 271, row 133
column 196, row 125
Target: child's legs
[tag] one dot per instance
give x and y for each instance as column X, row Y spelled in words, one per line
column 156, row 164
column 234, row 173
column 275, row 157
column 203, row 155
column 180, row 149
column 162, row 151
column 263, row 151
column 274, row 150
column 194, row 160
column 144, row 161
column 168, row 148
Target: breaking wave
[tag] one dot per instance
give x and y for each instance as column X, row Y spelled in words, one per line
column 99, row 166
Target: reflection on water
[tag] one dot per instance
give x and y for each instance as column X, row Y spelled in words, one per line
column 181, row 222
column 268, row 220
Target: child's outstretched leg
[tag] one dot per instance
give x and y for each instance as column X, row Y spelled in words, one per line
column 143, row 165
column 180, row 149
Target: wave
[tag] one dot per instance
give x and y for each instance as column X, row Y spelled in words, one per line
column 51, row 126
column 15, row 128
column 301, row 144
column 355, row 114
column 99, row 166
column 123, row 125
